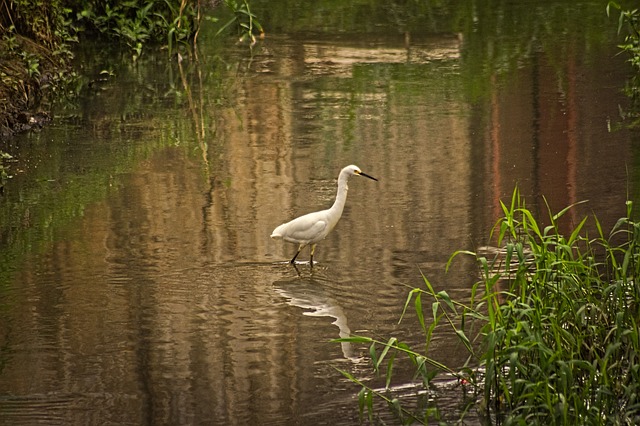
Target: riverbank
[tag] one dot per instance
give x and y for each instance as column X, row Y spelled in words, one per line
column 35, row 58
column 36, row 40
column 27, row 86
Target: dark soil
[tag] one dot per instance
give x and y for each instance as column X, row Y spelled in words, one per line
column 25, row 97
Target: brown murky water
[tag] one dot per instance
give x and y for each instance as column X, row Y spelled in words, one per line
column 139, row 282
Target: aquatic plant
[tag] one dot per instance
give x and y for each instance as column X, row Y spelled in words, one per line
column 551, row 329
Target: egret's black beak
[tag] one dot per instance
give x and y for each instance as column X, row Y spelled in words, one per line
column 366, row 175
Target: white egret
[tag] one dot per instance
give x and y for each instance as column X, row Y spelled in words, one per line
column 314, row 227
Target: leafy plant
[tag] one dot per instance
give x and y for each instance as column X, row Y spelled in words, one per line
column 383, row 357
column 560, row 342
column 558, row 339
column 140, row 22
column 248, row 26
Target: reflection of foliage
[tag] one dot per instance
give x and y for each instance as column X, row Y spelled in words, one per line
column 631, row 45
column 338, row 16
column 497, row 37
column 126, row 120
column 4, row 170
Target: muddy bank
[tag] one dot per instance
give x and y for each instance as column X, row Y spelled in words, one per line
column 31, row 79
column 15, row 119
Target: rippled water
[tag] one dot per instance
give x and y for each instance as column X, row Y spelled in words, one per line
column 140, row 285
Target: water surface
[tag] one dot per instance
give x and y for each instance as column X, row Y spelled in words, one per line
column 139, row 284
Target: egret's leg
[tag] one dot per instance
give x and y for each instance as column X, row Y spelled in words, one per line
column 300, row 247
column 313, row 249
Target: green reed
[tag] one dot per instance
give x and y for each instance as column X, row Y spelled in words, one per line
column 556, row 326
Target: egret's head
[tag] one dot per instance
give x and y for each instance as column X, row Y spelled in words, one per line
column 355, row 170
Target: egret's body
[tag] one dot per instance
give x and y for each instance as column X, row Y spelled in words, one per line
column 314, row 227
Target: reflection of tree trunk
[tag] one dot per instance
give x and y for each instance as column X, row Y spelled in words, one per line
column 572, row 133
column 535, row 130
column 143, row 348
column 197, row 114
column 494, row 135
column 196, row 110
column 547, row 170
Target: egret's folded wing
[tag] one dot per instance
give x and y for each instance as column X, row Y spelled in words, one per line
column 305, row 231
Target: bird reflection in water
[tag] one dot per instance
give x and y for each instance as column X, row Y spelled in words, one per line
column 311, row 296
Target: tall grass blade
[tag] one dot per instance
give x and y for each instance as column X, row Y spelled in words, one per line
column 419, row 313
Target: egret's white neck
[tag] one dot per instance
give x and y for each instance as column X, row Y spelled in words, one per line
column 341, row 197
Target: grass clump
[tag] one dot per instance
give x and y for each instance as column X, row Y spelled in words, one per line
column 560, row 340
column 551, row 328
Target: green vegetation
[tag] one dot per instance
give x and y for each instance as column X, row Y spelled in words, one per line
column 136, row 23
column 630, row 18
column 36, row 39
column 244, row 20
column 34, row 58
column 552, row 327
